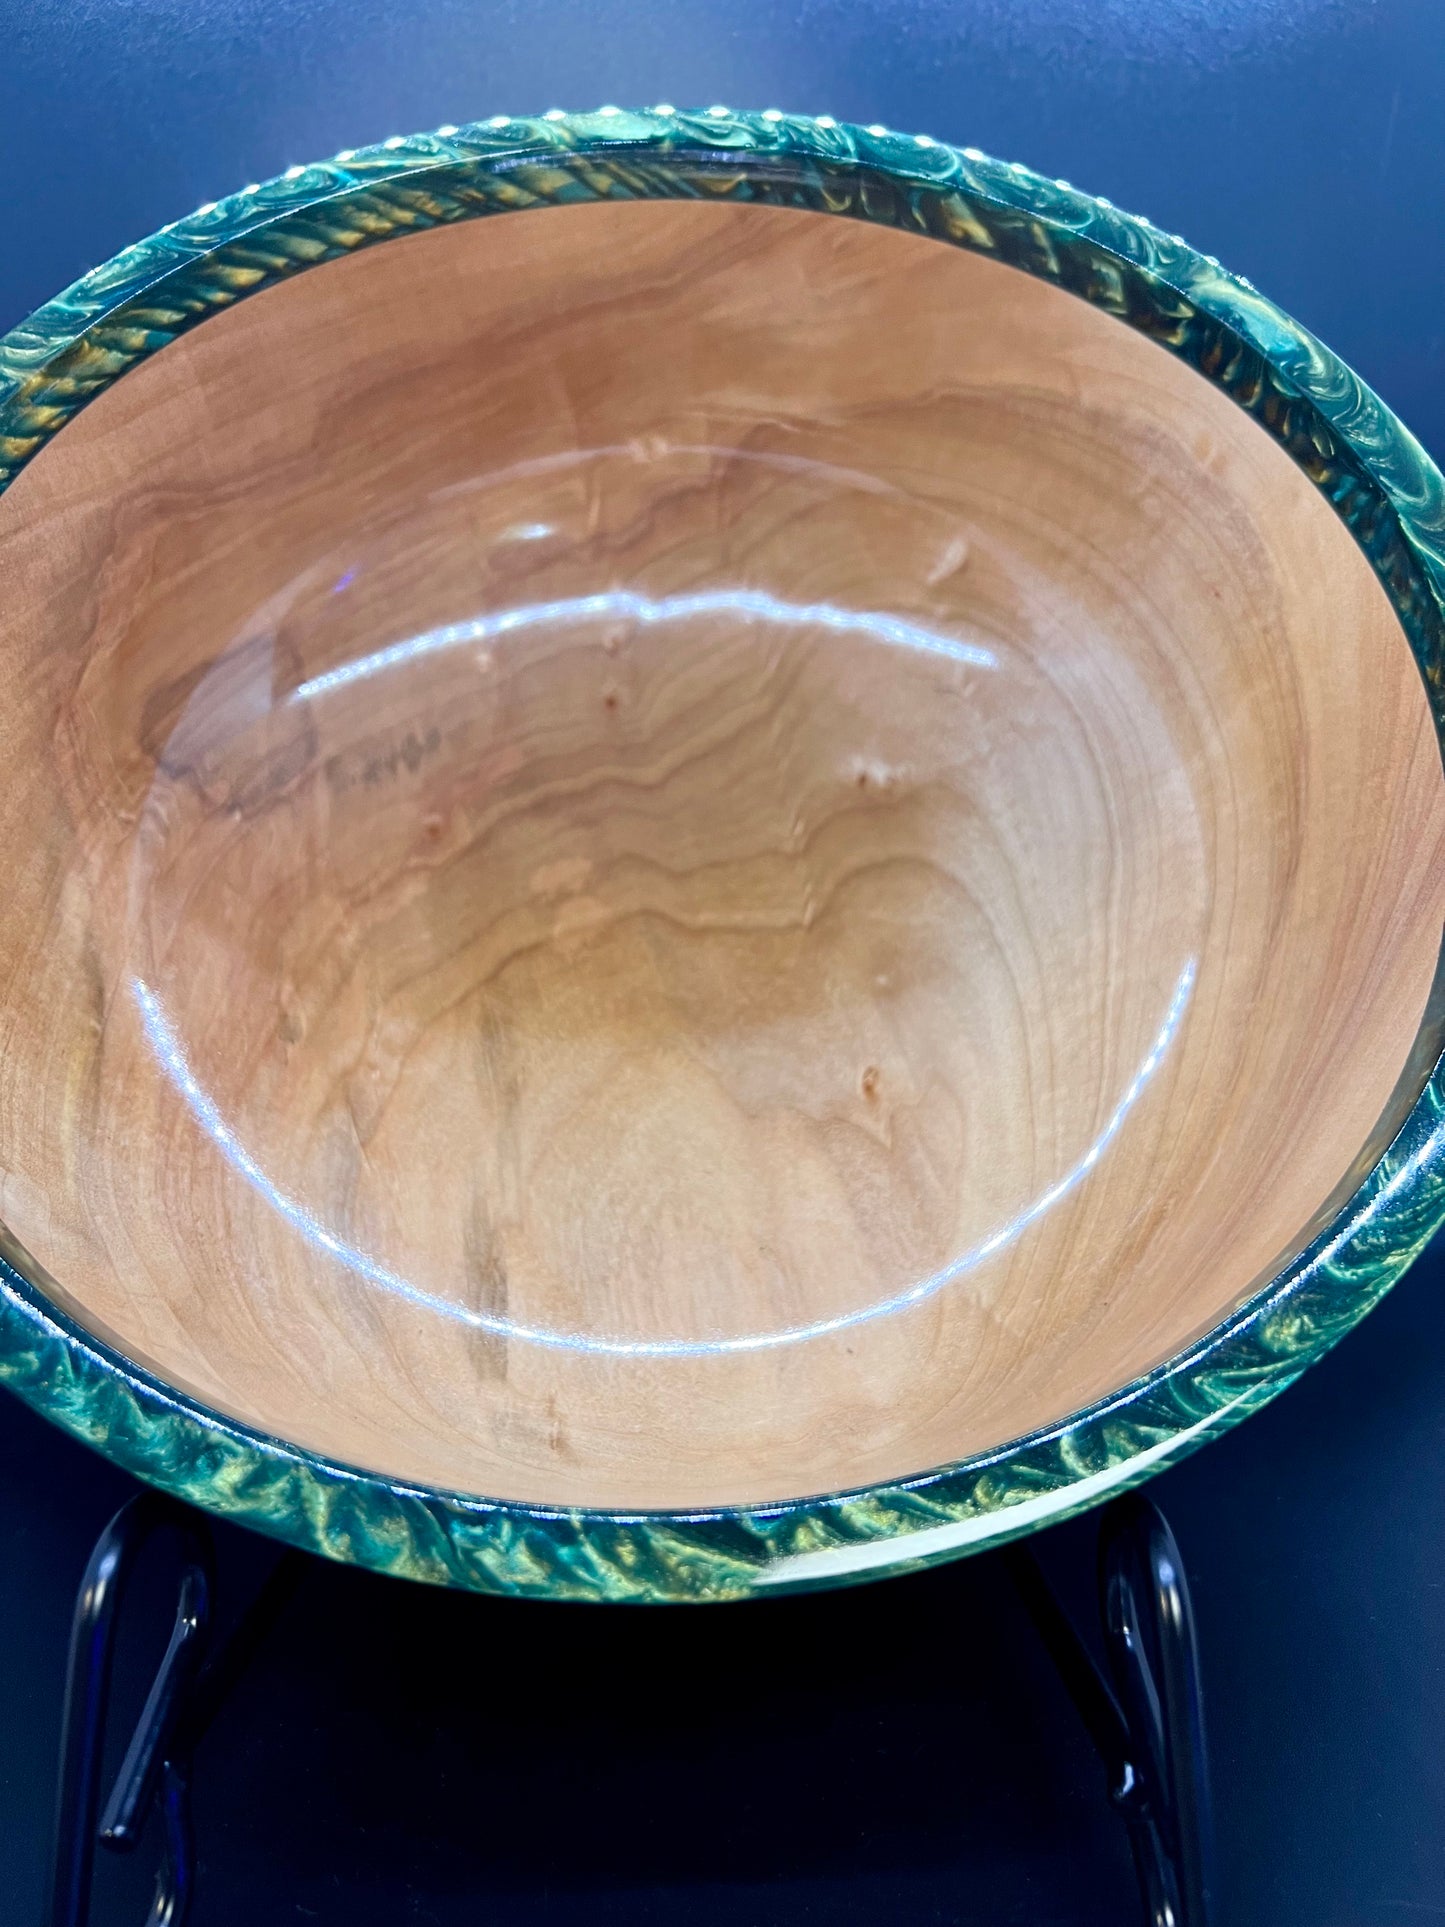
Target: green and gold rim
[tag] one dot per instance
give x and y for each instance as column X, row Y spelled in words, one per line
column 1347, row 442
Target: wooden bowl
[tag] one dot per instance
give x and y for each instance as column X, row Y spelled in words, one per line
column 675, row 854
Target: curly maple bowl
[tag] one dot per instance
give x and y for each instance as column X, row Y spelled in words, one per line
column 674, row 854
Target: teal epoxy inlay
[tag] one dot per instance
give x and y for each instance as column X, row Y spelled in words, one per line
column 1382, row 485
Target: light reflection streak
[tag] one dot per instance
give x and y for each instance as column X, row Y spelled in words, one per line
column 203, row 1108
column 613, row 603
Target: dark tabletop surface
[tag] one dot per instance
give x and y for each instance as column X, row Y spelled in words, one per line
column 901, row 1751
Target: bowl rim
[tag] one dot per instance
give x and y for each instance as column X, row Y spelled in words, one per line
column 1381, row 483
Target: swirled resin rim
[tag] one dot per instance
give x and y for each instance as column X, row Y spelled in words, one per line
column 1339, row 434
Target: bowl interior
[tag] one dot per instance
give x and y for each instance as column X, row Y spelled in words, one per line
column 671, row 854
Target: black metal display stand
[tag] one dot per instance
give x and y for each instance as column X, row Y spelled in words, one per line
column 1147, row 1723
column 1143, row 1713
column 191, row 1683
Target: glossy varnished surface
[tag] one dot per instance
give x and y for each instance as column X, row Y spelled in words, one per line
column 622, row 904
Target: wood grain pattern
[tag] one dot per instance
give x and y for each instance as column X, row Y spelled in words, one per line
column 668, row 855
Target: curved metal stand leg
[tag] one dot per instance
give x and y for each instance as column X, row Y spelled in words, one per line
column 155, row 1767
column 177, row 1875
column 1147, row 1724
column 1149, row 1626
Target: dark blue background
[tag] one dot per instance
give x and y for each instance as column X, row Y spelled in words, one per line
column 901, row 1751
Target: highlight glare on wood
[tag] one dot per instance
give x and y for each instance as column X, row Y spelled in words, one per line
column 671, row 854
